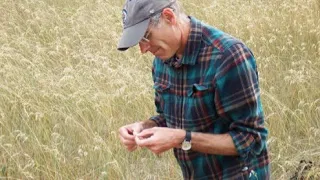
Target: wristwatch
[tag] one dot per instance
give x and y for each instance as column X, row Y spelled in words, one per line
column 186, row 144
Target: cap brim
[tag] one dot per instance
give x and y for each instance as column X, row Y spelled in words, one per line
column 132, row 35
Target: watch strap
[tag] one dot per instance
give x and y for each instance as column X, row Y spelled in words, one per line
column 188, row 136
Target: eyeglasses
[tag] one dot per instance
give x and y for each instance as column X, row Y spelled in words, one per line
column 145, row 39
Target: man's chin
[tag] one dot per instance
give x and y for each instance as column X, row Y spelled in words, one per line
column 163, row 58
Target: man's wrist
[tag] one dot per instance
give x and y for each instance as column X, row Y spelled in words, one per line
column 148, row 124
column 180, row 134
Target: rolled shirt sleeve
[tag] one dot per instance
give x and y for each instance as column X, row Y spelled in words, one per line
column 237, row 98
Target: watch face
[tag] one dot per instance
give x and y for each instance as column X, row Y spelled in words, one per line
column 186, row 145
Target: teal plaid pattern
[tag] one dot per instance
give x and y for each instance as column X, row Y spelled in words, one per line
column 214, row 89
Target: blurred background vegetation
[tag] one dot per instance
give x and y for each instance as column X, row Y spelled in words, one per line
column 65, row 89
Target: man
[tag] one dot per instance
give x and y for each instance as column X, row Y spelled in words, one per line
column 206, row 93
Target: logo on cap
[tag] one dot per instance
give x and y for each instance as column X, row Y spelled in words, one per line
column 124, row 16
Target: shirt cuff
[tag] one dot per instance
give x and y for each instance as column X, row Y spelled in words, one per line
column 247, row 144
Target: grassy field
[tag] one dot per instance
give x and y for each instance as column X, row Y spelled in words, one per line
column 65, row 89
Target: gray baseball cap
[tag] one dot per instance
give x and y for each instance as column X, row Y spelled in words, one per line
column 136, row 16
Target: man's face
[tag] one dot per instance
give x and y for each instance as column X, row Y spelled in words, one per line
column 162, row 41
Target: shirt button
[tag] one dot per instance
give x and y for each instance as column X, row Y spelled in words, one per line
column 245, row 168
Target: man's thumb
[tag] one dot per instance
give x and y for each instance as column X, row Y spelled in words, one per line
column 136, row 129
column 146, row 133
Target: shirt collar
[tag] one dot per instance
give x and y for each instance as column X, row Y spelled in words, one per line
column 193, row 45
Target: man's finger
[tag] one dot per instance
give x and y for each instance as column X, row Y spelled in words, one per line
column 125, row 134
column 132, row 148
column 144, row 142
column 146, row 133
column 127, row 142
column 135, row 130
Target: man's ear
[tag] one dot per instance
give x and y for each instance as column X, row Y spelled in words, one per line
column 169, row 16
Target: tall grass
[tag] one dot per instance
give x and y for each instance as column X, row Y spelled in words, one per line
column 65, row 89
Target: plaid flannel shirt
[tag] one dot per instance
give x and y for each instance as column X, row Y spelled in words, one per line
column 214, row 89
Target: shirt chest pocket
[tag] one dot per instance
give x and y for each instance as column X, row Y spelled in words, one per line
column 199, row 110
column 192, row 108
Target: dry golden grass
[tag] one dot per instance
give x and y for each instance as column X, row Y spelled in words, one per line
column 65, row 90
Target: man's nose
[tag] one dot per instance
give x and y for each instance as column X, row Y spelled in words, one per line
column 144, row 47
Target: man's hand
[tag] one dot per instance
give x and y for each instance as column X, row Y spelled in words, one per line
column 127, row 135
column 159, row 140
